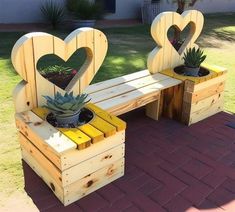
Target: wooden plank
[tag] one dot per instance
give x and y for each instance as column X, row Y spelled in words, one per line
column 197, row 106
column 74, row 157
column 206, row 112
column 205, row 93
column 152, row 109
column 95, row 134
column 127, row 106
column 103, row 126
column 48, row 139
column 113, row 120
column 173, row 102
column 42, row 45
column 116, row 81
column 114, row 91
column 81, row 139
column 89, row 130
column 93, row 181
column 217, row 69
column 192, row 87
column 93, row 164
column 136, row 98
column 46, row 177
column 41, row 112
column 41, row 159
column 23, row 62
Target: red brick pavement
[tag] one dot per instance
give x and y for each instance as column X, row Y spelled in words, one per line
column 169, row 167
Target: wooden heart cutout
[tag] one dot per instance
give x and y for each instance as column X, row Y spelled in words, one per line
column 165, row 56
column 182, row 36
column 31, row 47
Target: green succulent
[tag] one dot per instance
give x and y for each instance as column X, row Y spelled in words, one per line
column 193, row 57
column 66, row 105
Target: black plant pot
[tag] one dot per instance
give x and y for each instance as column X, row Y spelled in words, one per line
column 68, row 120
column 194, row 72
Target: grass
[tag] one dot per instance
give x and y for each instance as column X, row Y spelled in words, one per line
column 128, row 50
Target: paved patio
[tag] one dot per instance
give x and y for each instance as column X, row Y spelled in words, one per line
column 169, row 167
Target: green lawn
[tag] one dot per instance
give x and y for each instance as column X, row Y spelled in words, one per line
column 128, row 50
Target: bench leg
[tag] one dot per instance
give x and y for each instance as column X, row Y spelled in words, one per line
column 152, row 110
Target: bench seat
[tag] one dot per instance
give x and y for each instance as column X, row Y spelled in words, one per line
column 126, row 93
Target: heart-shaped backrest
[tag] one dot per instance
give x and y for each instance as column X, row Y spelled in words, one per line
column 165, row 55
column 31, row 47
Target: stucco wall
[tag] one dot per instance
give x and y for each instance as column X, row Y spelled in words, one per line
column 21, row 11
column 206, row 6
column 28, row 11
column 126, row 9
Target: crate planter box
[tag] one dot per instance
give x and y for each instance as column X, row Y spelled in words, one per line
column 77, row 161
column 197, row 97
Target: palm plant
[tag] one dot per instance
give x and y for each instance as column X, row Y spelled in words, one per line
column 53, row 12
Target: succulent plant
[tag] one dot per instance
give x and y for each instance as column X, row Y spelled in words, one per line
column 66, row 105
column 193, row 57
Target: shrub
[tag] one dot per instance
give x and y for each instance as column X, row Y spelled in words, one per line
column 53, row 12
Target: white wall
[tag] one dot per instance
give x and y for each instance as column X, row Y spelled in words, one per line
column 21, row 11
column 28, row 11
column 206, row 6
column 126, row 9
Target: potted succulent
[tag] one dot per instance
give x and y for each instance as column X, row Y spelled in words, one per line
column 85, row 12
column 67, row 108
column 192, row 61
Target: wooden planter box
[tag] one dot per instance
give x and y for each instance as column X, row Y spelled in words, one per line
column 73, row 162
column 196, row 98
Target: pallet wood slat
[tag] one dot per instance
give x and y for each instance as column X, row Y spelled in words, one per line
column 137, row 98
column 71, row 158
column 47, row 177
column 40, row 131
column 127, row 87
column 103, row 126
column 28, row 147
column 93, row 164
column 116, row 81
column 118, row 123
column 94, row 181
column 191, row 86
column 191, row 108
column 202, row 94
column 88, row 129
column 95, row 134
column 206, row 112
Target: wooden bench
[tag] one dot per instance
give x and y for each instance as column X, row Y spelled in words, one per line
column 126, row 93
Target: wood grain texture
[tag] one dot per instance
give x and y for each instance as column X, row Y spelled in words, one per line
column 165, row 56
column 32, row 46
column 172, row 102
column 93, row 181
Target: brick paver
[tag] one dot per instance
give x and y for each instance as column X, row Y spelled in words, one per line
column 169, row 167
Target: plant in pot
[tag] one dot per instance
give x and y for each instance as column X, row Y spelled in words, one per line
column 66, row 109
column 58, row 74
column 85, row 12
column 192, row 61
column 53, row 12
